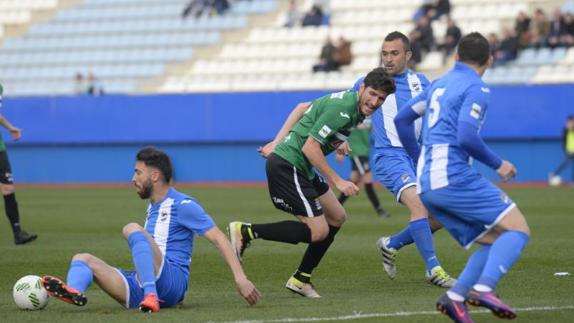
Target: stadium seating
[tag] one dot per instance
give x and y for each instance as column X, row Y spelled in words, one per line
column 129, row 44
column 122, row 42
column 276, row 58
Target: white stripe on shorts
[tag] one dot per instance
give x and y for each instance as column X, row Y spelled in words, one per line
column 360, row 167
column 305, row 202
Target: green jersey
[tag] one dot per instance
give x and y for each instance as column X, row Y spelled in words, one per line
column 328, row 120
column 360, row 139
column 2, row 146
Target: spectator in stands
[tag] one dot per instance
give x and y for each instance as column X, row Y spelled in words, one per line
column 451, row 38
column 292, row 16
column 195, row 8
column 567, row 38
column 556, row 29
column 314, row 17
column 494, row 43
column 327, row 61
column 422, row 39
column 434, row 9
column 79, row 86
column 522, row 29
column 540, row 29
column 95, row 87
column 508, row 49
column 199, row 7
column 568, row 146
column 343, row 55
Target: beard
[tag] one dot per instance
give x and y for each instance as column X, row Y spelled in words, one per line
column 145, row 191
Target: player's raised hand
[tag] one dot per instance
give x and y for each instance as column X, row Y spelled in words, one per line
column 506, row 170
column 16, row 133
column 346, row 187
column 266, row 150
column 343, row 149
column 248, row 291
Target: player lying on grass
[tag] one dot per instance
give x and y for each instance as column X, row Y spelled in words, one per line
column 161, row 250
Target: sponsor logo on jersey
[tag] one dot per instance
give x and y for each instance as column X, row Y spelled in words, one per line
column 325, row 131
column 485, row 89
column 163, row 216
column 475, row 111
column 505, row 198
column 405, row 178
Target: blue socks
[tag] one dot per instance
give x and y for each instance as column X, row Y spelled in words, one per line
column 142, row 257
column 471, row 272
column 504, row 252
column 421, row 233
column 80, row 275
column 401, row 239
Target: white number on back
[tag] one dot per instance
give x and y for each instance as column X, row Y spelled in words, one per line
column 435, row 106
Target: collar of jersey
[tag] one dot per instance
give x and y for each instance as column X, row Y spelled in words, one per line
column 169, row 193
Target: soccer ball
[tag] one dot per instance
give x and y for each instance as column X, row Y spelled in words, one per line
column 555, row 180
column 29, row 294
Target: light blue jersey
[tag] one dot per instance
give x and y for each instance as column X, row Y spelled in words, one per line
column 461, row 199
column 173, row 222
column 392, row 165
column 459, row 96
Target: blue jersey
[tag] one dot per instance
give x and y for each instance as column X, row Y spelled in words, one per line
column 458, row 97
column 408, row 85
column 173, row 222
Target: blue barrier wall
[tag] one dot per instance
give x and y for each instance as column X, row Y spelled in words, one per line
column 213, row 137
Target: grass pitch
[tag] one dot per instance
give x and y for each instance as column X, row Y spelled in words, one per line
column 350, row 277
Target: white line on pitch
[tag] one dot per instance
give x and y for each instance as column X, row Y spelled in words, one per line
column 360, row 315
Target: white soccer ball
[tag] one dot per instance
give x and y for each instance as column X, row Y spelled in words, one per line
column 29, row 294
column 555, row 181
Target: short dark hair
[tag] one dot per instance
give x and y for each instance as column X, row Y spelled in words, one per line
column 379, row 79
column 394, row 35
column 156, row 158
column 474, row 49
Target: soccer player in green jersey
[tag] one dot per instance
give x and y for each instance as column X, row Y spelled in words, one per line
column 359, row 142
column 307, row 136
column 7, row 182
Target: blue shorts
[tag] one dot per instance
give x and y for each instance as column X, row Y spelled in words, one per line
column 395, row 170
column 468, row 211
column 171, row 285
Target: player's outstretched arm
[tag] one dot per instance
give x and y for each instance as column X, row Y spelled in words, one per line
column 292, row 119
column 405, row 123
column 313, row 152
column 245, row 287
column 15, row 132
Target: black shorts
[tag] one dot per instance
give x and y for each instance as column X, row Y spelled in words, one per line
column 360, row 164
column 5, row 169
column 291, row 191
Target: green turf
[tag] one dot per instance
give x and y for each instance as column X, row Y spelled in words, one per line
column 350, row 278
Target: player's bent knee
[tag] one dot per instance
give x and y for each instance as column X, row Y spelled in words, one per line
column 319, row 233
column 131, row 228
column 85, row 257
column 7, row 189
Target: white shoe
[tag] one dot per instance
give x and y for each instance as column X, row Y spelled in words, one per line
column 439, row 277
column 301, row 288
column 239, row 240
column 388, row 256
